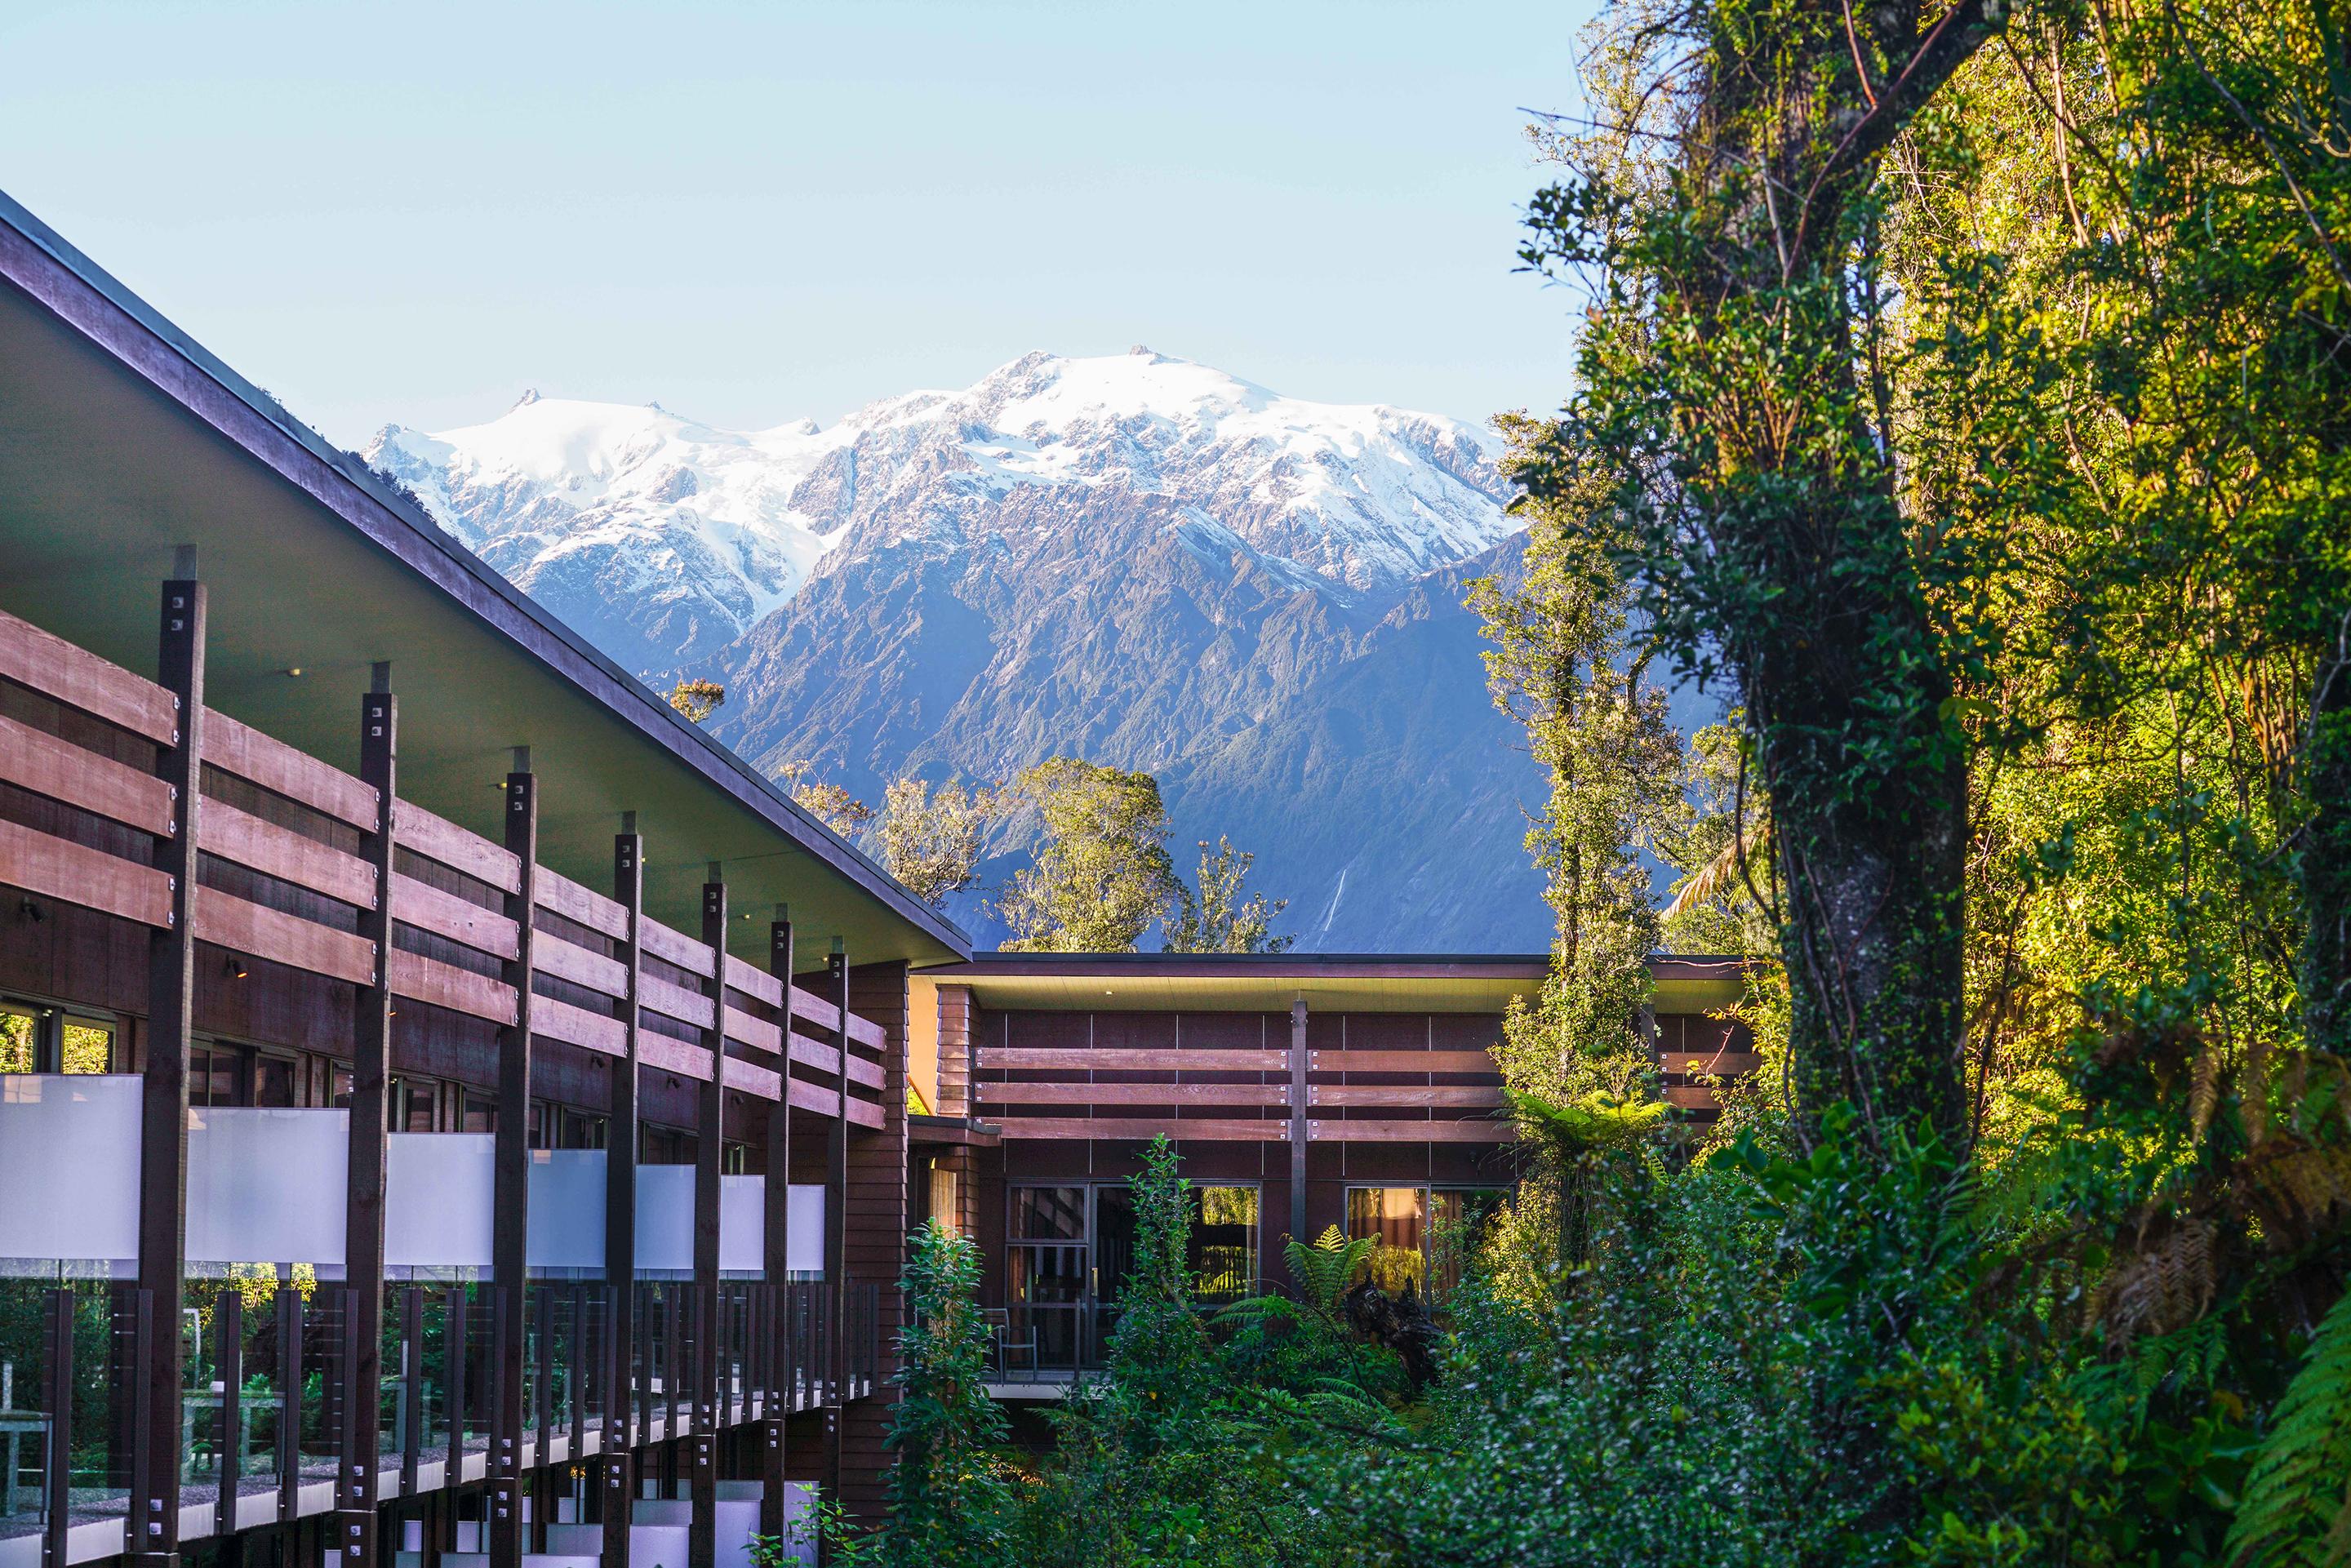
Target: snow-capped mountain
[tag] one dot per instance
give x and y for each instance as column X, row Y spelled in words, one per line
column 1135, row 559
column 689, row 535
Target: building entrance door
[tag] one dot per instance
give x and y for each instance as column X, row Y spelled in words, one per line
column 1068, row 1253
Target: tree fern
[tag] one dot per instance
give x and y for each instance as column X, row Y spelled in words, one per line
column 2296, row 1510
column 1325, row 1269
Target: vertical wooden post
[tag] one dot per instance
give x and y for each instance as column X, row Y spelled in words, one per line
column 151, row 1525
column 56, row 1399
column 228, row 1311
column 778, row 1259
column 510, row 1204
column 289, row 1411
column 412, row 1385
column 702, row 1531
column 620, row 1211
column 836, row 1231
column 1299, row 1112
column 355, row 1492
column 455, row 1334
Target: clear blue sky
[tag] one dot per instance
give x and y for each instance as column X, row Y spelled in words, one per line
column 755, row 212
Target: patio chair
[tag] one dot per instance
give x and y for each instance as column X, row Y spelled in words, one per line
column 1000, row 1330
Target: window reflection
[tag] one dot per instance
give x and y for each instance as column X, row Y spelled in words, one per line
column 1223, row 1256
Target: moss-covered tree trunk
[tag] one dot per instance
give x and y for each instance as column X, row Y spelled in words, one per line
column 1783, row 538
column 2325, row 858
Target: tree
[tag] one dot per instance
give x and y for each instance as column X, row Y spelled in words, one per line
column 828, row 804
column 1100, row 874
column 950, row 1500
column 697, row 700
column 1565, row 668
column 931, row 840
column 1211, row 915
column 1733, row 265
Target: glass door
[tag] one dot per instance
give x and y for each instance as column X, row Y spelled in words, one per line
column 1113, row 1261
column 1046, row 1270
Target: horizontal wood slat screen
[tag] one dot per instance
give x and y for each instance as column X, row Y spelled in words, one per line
column 815, row 1010
column 263, row 760
column 673, row 948
column 61, row 869
column 281, row 852
column 754, row 982
column 1479, row 1097
column 56, row 668
column 751, row 1078
column 1400, row 1061
column 812, row 1097
column 438, row 839
column 758, row 1033
column 1478, row 1130
column 1223, row 1131
column 665, row 1054
column 227, row 921
column 809, row 1053
column 559, row 895
column 578, row 1026
column 1124, row 1060
column 1134, row 1093
column 37, row 761
column 423, row 979
column 428, row 908
column 673, row 1001
column 865, row 1113
column 595, row 972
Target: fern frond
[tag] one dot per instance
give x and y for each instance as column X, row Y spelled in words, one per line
column 2294, row 1508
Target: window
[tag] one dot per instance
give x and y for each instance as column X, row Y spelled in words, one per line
column 477, row 1112
column 1391, row 1216
column 1459, row 1217
column 273, row 1080
column 86, row 1046
column 1223, row 1257
column 215, row 1074
column 20, row 1039
column 35, row 1039
column 1411, row 1223
column 410, row 1103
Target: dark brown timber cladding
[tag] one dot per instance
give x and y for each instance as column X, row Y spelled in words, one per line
column 955, row 1050
column 876, row 1207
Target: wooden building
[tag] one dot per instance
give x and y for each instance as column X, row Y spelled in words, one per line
column 453, row 1113
column 1302, row 1092
column 451, row 1110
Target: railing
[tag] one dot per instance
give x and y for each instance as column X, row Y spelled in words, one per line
column 279, row 877
column 268, row 1373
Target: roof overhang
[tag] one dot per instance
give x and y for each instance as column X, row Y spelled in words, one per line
column 121, row 439
column 1255, row 982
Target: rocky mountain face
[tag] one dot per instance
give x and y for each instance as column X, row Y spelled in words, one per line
column 1132, row 558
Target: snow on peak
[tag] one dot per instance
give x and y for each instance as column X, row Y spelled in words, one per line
column 722, row 526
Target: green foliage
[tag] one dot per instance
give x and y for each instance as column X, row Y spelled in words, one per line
column 1101, row 874
column 951, row 1499
column 2297, row 1502
column 930, row 840
column 1211, row 915
column 696, row 700
column 827, row 802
